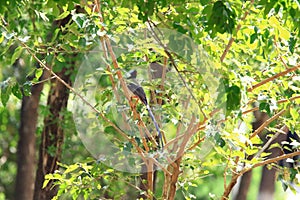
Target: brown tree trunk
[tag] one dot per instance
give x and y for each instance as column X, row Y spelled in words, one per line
column 267, row 183
column 144, row 186
column 268, row 177
column 143, row 183
column 52, row 137
column 53, row 134
column 26, row 146
column 244, row 186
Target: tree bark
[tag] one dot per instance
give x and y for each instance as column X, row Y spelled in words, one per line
column 52, row 137
column 267, row 183
column 26, row 152
column 53, row 134
column 268, row 177
column 143, row 183
column 244, row 186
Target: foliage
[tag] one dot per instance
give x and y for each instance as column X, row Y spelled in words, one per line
column 89, row 180
column 265, row 44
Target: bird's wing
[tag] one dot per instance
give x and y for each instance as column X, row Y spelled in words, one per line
column 138, row 91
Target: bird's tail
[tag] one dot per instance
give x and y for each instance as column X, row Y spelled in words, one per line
column 156, row 126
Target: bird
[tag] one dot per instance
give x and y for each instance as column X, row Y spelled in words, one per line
column 157, row 69
column 138, row 91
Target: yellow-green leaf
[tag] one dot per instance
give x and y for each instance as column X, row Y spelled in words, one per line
column 63, row 15
column 17, row 53
column 294, row 113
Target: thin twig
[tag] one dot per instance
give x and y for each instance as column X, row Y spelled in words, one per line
column 284, row 129
column 250, row 110
column 191, row 130
column 273, row 77
column 237, row 30
column 45, row 80
column 196, row 143
column 124, row 116
column 226, row 168
column 280, row 57
column 166, row 50
column 290, row 99
column 257, row 108
column 273, row 160
column 266, row 123
column 150, row 177
column 262, row 163
column 278, row 102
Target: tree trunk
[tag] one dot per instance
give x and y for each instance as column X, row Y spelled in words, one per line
column 244, row 186
column 26, row 146
column 268, row 177
column 267, row 183
column 260, row 118
column 52, row 137
column 53, row 134
column 143, row 183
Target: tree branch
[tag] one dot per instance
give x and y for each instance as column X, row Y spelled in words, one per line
column 166, row 50
column 132, row 140
column 284, row 129
column 273, row 77
column 237, row 30
column 272, row 160
column 278, row 102
column 233, row 181
column 266, row 123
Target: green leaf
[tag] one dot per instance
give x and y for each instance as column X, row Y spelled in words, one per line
column 63, row 15
column 109, row 129
column 292, row 43
column 233, row 98
column 17, row 91
column 253, row 37
column 45, row 182
column 38, row 73
column 5, row 93
column 55, row 34
column 43, row 16
column 283, row 33
column 82, row 42
column 71, row 168
column 27, row 88
column 80, row 20
column 60, row 58
column 219, row 140
column 294, row 113
column 18, row 51
column 268, row 7
column 265, row 107
column 1, row 38
column 128, row 147
column 204, row 2
column 6, row 47
column 284, row 185
column 222, row 18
